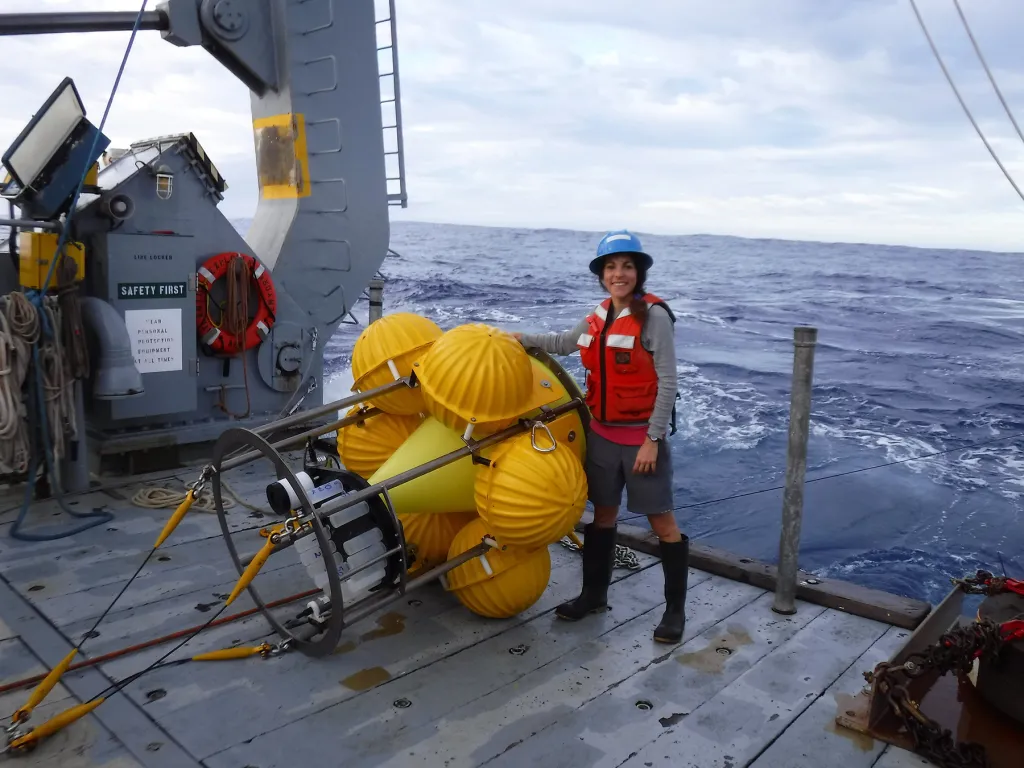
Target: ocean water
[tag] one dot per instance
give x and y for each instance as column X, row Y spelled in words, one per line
column 919, row 352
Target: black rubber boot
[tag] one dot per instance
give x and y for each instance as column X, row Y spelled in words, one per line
column 598, row 560
column 675, row 557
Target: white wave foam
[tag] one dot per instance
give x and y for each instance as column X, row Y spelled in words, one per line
column 458, row 315
column 702, row 318
column 998, row 467
column 339, row 385
column 724, row 416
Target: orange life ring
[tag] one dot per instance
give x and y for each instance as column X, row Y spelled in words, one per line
column 218, row 339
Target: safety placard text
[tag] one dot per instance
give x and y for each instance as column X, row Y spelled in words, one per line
column 156, row 339
column 151, row 290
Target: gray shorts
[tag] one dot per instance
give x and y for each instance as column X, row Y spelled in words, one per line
column 610, row 469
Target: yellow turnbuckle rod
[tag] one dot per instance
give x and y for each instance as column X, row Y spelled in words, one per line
column 194, row 492
column 258, row 561
column 54, row 724
column 235, row 653
column 43, row 689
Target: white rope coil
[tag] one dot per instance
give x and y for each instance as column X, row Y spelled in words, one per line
column 162, row 497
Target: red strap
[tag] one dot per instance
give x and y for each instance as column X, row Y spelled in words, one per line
column 1015, row 586
column 1012, row 630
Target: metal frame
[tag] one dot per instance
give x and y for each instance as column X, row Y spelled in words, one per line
column 237, row 439
column 242, row 438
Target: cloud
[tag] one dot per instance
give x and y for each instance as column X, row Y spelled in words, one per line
column 808, row 119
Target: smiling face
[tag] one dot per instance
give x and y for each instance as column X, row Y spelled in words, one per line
column 619, row 277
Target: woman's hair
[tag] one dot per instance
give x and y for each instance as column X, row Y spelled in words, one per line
column 637, row 307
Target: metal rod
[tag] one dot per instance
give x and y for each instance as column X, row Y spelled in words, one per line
column 337, row 405
column 95, row 21
column 804, row 340
column 288, row 442
column 360, row 613
column 49, row 226
column 351, row 499
column 376, row 291
column 363, row 566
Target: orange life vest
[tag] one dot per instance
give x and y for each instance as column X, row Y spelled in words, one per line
column 622, row 383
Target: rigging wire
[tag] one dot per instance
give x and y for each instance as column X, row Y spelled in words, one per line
column 984, row 64
column 956, row 92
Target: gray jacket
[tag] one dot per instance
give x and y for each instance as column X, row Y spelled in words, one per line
column 657, row 337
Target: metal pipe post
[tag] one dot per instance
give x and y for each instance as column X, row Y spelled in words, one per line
column 289, row 442
column 49, row 226
column 337, row 405
column 376, row 291
column 89, row 21
column 804, row 340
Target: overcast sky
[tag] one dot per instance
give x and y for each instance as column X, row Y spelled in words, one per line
column 806, row 119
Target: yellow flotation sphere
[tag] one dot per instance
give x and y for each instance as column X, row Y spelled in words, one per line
column 480, row 375
column 401, row 339
column 365, row 445
column 534, row 491
column 432, row 536
column 517, row 577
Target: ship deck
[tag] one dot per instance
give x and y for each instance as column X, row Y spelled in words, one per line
column 424, row 682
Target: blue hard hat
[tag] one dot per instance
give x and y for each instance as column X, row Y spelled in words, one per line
column 620, row 241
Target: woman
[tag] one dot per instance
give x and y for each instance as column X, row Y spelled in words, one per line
column 627, row 345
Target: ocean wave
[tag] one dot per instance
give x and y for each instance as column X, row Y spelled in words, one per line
column 719, row 415
column 906, row 571
column 929, row 450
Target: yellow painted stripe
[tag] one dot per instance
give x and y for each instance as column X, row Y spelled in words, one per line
column 282, row 158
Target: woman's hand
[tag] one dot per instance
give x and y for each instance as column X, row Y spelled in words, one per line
column 517, row 336
column 646, row 458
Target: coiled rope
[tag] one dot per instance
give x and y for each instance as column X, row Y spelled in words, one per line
column 21, row 328
column 14, row 362
column 236, row 320
column 162, row 497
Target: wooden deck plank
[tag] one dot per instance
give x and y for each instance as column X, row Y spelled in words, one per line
column 140, row 737
column 81, row 570
column 83, row 744
column 577, row 718
column 5, row 631
column 132, row 529
column 897, row 757
column 736, row 725
column 831, row 593
column 371, row 729
column 469, row 649
column 421, row 614
column 177, row 609
column 18, row 662
column 814, row 732
column 208, row 583
column 121, row 627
